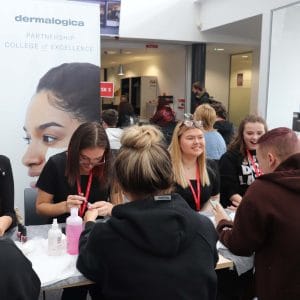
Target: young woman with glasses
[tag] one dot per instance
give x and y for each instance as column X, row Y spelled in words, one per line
column 80, row 177
column 196, row 177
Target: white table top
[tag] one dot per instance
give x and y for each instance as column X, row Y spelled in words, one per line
column 44, row 265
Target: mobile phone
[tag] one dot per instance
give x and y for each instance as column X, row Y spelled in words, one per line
column 213, row 203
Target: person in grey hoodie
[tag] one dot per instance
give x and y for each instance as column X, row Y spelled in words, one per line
column 155, row 246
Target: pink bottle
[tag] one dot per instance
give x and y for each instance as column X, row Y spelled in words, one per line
column 73, row 231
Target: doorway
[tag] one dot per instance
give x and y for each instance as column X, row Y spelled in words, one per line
column 240, row 87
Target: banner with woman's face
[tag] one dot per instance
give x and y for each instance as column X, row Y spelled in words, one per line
column 50, row 74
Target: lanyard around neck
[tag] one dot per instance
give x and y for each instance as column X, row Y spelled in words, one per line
column 196, row 197
column 255, row 166
column 87, row 192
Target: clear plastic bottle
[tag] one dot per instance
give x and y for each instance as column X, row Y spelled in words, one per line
column 54, row 239
column 73, row 231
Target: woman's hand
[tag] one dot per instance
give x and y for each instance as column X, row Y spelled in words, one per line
column 99, row 208
column 236, row 201
column 104, row 208
column 91, row 215
column 220, row 213
column 5, row 222
column 74, row 201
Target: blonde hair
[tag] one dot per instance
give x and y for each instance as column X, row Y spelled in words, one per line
column 206, row 114
column 176, row 157
column 143, row 166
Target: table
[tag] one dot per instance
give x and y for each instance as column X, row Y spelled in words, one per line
column 226, row 258
column 224, row 263
column 75, row 278
column 42, row 263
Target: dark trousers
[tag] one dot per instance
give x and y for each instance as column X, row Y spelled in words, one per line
column 80, row 292
column 234, row 287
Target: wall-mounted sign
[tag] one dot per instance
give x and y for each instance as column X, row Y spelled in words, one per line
column 152, row 83
column 107, row 89
column 153, row 46
column 239, row 79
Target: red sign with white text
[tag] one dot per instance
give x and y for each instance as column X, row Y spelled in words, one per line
column 106, row 89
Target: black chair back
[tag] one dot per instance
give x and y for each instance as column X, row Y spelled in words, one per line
column 30, row 215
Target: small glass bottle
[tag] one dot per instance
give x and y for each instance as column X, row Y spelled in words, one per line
column 73, row 231
column 54, row 239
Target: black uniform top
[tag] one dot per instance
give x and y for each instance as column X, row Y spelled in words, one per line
column 53, row 181
column 6, row 189
column 236, row 174
column 206, row 191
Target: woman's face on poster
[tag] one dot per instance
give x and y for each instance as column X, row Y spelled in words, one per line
column 46, row 128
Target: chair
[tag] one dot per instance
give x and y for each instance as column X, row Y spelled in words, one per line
column 31, row 217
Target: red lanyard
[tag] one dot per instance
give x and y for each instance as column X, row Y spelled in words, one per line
column 87, row 193
column 196, row 197
column 255, row 166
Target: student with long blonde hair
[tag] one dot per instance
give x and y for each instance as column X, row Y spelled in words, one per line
column 215, row 145
column 196, row 177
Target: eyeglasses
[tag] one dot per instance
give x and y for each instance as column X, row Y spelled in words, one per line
column 192, row 124
column 86, row 161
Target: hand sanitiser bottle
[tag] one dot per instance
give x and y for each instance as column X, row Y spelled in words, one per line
column 73, row 231
column 54, row 239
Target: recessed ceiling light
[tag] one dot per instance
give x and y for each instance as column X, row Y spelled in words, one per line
column 244, row 56
column 219, row 49
column 110, row 52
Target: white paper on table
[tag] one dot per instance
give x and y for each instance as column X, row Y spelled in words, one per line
column 50, row 269
column 241, row 263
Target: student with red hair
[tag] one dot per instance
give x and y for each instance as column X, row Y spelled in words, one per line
column 267, row 220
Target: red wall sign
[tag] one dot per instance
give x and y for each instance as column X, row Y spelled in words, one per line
column 106, row 89
column 155, row 46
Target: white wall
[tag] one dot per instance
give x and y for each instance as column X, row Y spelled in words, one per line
column 159, row 19
column 284, row 91
column 180, row 20
column 214, row 13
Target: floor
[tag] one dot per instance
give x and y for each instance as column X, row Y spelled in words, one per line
column 55, row 295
